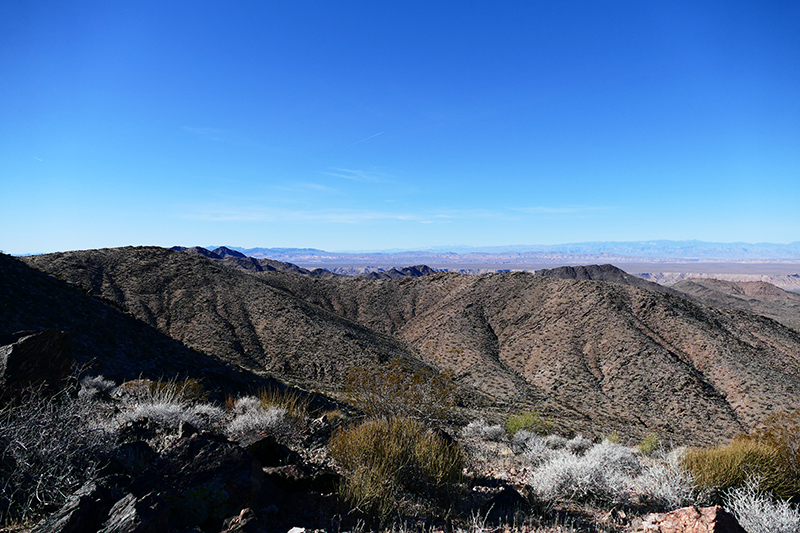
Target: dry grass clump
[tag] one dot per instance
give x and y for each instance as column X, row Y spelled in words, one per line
column 392, row 464
column 400, row 390
column 768, row 457
column 294, row 403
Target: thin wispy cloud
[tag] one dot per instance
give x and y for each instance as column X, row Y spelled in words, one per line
column 307, row 187
column 356, row 175
column 365, row 139
column 226, row 213
column 230, row 212
column 36, row 158
column 561, row 210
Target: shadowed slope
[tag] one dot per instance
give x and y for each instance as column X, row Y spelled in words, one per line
column 106, row 339
column 222, row 311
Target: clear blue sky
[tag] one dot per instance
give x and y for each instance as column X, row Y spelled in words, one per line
column 371, row 125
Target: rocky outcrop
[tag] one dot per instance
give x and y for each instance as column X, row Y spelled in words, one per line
column 33, row 360
column 690, row 520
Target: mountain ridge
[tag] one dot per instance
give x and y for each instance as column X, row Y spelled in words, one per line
column 594, row 355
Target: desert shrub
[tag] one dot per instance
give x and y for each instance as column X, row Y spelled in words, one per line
column 663, row 482
column 271, row 420
column 295, row 404
column 781, row 432
column 400, row 390
column 757, row 513
column 724, row 467
column 607, row 473
column 168, row 403
column 555, row 442
column 578, row 445
column 650, row 444
column 187, row 390
column 480, row 429
column 49, row 447
column 167, row 416
column 92, row 386
column 533, row 447
column 390, row 463
column 531, row 421
column 245, row 404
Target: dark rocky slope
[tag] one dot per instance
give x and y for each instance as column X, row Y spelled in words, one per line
column 224, row 312
column 104, row 339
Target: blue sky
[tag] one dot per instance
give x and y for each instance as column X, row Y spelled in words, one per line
column 374, row 125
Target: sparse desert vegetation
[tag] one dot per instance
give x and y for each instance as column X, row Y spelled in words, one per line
column 394, row 471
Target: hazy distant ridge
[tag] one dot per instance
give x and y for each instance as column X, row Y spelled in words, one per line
column 652, row 250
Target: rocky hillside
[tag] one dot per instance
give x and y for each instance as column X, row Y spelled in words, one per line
column 755, row 297
column 597, row 356
column 105, row 339
column 225, row 312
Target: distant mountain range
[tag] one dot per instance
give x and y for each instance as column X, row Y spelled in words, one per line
column 659, row 250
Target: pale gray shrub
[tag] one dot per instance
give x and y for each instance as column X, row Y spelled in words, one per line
column 91, row 386
column 606, row 473
column 757, row 513
column 210, row 417
column 578, row 445
column 480, row 429
column 555, row 442
column 272, row 419
column 246, row 404
column 167, row 415
column 533, row 447
column 568, row 477
column 664, row 482
column 614, row 457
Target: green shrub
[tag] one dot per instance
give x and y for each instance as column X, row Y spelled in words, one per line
column 400, row 390
column 650, row 444
column 529, row 421
column 391, row 463
column 781, row 432
column 770, row 456
column 731, row 465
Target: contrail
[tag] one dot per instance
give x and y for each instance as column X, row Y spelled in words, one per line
column 36, row 158
column 366, row 139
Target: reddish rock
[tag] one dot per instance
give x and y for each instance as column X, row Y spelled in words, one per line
column 691, row 520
